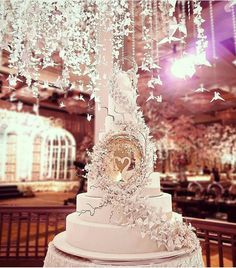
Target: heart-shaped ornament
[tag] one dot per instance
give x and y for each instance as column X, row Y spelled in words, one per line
column 122, row 163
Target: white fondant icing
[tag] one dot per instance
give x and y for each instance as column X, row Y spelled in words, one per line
column 86, row 203
column 154, row 180
column 153, row 186
column 93, row 191
column 152, row 189
column 108, row 238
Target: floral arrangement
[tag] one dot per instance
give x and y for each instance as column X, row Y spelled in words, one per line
column 181, row 160
column 220, row 142
column 180, row 133
column 134, row 211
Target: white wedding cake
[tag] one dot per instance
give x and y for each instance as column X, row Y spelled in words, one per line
column 124, row 211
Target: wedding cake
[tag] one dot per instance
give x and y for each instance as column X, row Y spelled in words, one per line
column 124, row 212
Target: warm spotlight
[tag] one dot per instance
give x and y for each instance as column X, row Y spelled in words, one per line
column 184, row 67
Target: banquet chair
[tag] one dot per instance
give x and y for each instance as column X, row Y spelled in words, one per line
column 215, row 193
column 195, row 188
column 215, row 190
column 232, row 191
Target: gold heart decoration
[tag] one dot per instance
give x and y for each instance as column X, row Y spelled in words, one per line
column 122, row 163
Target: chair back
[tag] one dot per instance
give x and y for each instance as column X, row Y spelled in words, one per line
column 196, row 188
column 216, row 189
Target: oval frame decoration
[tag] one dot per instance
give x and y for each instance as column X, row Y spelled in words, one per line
column 106, row 151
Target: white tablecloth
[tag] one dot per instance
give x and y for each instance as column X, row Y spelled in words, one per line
column 57, row 258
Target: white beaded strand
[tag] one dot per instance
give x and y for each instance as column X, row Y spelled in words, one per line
column 234, row 25
column 123, row 48
column 156, row 31
column 151, row 28
column 194, row 28
column 133, row 31
column 189, row 9
column 201, row 42
column 213, row 41
column 183, row 20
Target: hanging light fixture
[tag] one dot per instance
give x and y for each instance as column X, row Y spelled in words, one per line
column 184, row 67
column 42, row 34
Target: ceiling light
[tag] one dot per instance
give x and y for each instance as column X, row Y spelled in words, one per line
column 184, row 67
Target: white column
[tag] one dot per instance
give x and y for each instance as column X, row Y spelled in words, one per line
column 104, row 69
column 58, row 160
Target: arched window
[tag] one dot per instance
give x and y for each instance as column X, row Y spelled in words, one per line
column 32, row 149
column 59, row 155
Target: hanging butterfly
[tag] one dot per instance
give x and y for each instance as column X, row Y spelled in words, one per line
column 152, row 97
column 217, row 97
column 62, row 105
column 169, row 40
column 13, row 80
column 13, row 97
column 154, row 81
column 80, row 97
column 36, row 108
column 89, row 117
column 201, row 89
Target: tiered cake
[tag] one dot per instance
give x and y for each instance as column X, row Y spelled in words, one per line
column 124, row 213
column 94, row 231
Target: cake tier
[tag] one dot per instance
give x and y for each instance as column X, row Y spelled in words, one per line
column 151, row 189
column 86, row 203
column 108, row 238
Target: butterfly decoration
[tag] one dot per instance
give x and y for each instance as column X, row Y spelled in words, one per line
column 12, row 79
column 154, row 81
column 152, row 97
column 172, row 7
column 36, row 108
column 45, row 84
column 61, row 83
column 201, row 89
column 182, row 27
column 172, row 2
column 13, row 97
column 217, row 97
column 89, row 117
column 19, row 106
column 62, row 105
column 174, row 26
column 144, row 67
column 80, row 97
column 159, row 98
column 49, row 63
column 169, row 40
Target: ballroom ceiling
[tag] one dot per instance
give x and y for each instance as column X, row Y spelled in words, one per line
column 221, row 77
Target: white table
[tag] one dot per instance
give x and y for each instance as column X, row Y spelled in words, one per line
column 57, row 258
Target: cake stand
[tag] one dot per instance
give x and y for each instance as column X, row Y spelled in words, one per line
column 61, row 254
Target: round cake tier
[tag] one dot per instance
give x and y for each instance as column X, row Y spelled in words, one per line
column 152, row 188
column 85, row 207
column 108, row 238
